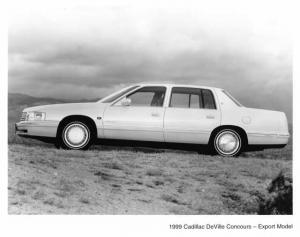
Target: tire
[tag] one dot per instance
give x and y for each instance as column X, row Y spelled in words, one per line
column 228, row 143
column 76, row 135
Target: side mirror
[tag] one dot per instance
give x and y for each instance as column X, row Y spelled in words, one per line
column 126, row 102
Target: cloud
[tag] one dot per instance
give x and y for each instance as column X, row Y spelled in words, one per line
column 89, row 52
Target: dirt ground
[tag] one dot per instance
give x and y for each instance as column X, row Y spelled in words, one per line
column 44, row 180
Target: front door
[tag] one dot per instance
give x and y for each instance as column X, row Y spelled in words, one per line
column 191, row 115
column 138, row 116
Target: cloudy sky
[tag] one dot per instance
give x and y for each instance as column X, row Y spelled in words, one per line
column 77, row 50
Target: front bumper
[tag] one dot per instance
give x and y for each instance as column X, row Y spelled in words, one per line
column 36, row 128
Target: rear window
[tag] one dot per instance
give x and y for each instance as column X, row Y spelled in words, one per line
column 232, row 98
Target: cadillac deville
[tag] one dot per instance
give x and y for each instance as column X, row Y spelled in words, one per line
column 161, row 113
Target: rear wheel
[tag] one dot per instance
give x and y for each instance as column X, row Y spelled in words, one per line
column 228, row 143
column 76, row 135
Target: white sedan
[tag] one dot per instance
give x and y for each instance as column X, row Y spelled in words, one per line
column 161, row 113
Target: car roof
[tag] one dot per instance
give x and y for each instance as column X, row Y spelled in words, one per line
column 175, row 85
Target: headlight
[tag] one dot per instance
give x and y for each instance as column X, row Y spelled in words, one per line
column 31, row 116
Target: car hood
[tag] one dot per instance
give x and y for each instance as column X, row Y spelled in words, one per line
column 59, row 111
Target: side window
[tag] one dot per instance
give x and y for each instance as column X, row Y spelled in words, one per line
column 182, row 97
column 208, row 99
column 148, row 96
column 195, row 101
column 179, row 100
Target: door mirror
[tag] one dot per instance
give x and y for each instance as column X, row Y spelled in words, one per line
column 126, row 102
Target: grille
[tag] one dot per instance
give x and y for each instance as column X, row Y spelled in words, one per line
column 23, row 116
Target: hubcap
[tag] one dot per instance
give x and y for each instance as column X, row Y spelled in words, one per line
column 228, row 142
column 76, row 135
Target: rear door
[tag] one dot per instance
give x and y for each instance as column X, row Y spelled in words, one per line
column 141, row 120
column 191, row 115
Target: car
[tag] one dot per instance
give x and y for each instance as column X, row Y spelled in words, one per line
column 167, row 113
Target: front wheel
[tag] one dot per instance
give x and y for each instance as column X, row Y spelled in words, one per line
column 76, row 135
column 228, row 143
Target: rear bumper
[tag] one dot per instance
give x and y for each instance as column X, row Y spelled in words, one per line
column 36, row 128
column 268, row 139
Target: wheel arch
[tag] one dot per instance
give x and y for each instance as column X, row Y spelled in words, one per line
column 238, row 129
column 82, row 118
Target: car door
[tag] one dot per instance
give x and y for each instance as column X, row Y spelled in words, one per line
column 191, row 115
column 141, row 119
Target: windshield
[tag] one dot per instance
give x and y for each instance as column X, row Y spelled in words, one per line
column 232, row 98
column 116, row 95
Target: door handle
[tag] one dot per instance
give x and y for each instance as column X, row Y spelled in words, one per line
column 155, row 114
column 210, row 116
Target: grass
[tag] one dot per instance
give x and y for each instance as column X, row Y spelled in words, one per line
column 114, row 180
